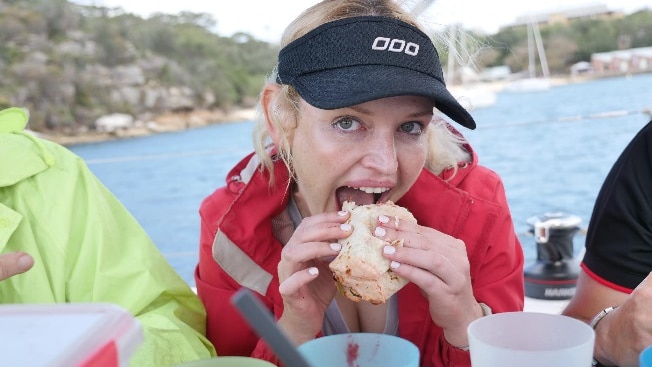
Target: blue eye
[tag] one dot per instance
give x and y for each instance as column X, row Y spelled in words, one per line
column 413, row 128
column 347, row 124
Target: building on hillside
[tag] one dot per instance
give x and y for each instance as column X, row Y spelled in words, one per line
column 633, row 60
column 566, row 15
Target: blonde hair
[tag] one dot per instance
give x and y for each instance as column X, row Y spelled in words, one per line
column 445, row 148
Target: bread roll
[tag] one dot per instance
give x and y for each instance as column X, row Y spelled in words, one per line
column 360, row 270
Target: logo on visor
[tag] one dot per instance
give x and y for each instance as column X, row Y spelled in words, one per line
column 395, row 45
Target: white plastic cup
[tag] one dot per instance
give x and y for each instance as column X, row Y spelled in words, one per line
column 645, row 358
column 530, row 339
column 360, row 350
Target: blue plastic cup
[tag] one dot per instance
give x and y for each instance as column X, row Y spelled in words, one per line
column 645, row 358
column 360, row 350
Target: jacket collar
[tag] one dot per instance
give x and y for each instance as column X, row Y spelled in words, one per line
column 27, row 153
column 23, row 159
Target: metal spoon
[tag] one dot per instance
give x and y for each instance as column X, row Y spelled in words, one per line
column 262, row 321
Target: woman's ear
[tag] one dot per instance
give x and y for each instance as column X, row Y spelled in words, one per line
column 270, row 111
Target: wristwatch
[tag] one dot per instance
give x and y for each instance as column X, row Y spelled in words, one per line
column 594, row 322
column 597, row 318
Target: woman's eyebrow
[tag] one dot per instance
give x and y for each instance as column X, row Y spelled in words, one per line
column 361, row 110
column 423, row 113
column 365, row 111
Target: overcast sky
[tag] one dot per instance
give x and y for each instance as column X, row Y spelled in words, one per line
column 266, row 19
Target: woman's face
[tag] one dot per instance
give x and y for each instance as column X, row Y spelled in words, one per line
column 366, row 153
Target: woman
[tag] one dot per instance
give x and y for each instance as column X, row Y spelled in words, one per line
column 349, row 112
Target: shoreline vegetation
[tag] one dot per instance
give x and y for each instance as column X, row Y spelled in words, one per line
column 184, row 120
column 164, row 123
column 84, row 79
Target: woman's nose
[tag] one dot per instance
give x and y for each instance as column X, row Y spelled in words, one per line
column 381, row 155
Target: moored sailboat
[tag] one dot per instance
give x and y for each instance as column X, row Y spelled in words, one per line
column 533, row 83
column 463, row 81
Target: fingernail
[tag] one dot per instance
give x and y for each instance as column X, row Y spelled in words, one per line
column 24, row 261
column 380, row 232
column 383, row 219
column 313, row 271
column 394, row 264
column 345, row 226
column 335, row 246
column 342, row 213
column 389, row 250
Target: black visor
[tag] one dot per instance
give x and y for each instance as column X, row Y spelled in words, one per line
column 360, row 59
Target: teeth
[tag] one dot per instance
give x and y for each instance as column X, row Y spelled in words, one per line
column 373, row 190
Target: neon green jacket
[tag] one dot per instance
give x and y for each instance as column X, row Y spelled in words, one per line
column 88, row 248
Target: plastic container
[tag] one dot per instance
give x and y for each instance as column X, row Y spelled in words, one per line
column 68, row 335
column 360, row 350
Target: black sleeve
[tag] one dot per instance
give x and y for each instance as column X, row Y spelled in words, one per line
column 619, row 237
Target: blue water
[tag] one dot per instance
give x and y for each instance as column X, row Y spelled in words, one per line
column 550, row 148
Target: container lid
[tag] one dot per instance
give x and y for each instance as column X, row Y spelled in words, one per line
column 68, row 335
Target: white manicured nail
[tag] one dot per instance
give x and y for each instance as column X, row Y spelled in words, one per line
column 394, row 264
column 335, row 246
column 313, row 271
column 389, row 250
column 380, row 232
column 383, row 219
column 345, row 227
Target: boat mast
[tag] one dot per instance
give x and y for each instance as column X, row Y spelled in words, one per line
column 452, row 52
column 530, row 50
column 421, row 7
column 540, row 50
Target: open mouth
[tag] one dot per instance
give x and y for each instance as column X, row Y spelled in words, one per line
column 360, row 195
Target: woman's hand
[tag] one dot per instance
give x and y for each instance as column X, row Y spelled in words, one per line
column 438, row 264
column 306, row 282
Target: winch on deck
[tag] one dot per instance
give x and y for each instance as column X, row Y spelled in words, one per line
column 554, row 274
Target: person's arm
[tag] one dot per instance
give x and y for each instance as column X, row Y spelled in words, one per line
column 618, row 258
column 591, row 297
column 622, row 333
column 14, row 263
column 494, row 251
column 226, row 328
column 110, row 258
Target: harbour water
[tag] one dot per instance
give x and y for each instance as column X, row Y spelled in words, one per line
column 552, row 150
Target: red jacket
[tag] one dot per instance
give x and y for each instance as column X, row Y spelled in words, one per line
column 238, row 249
